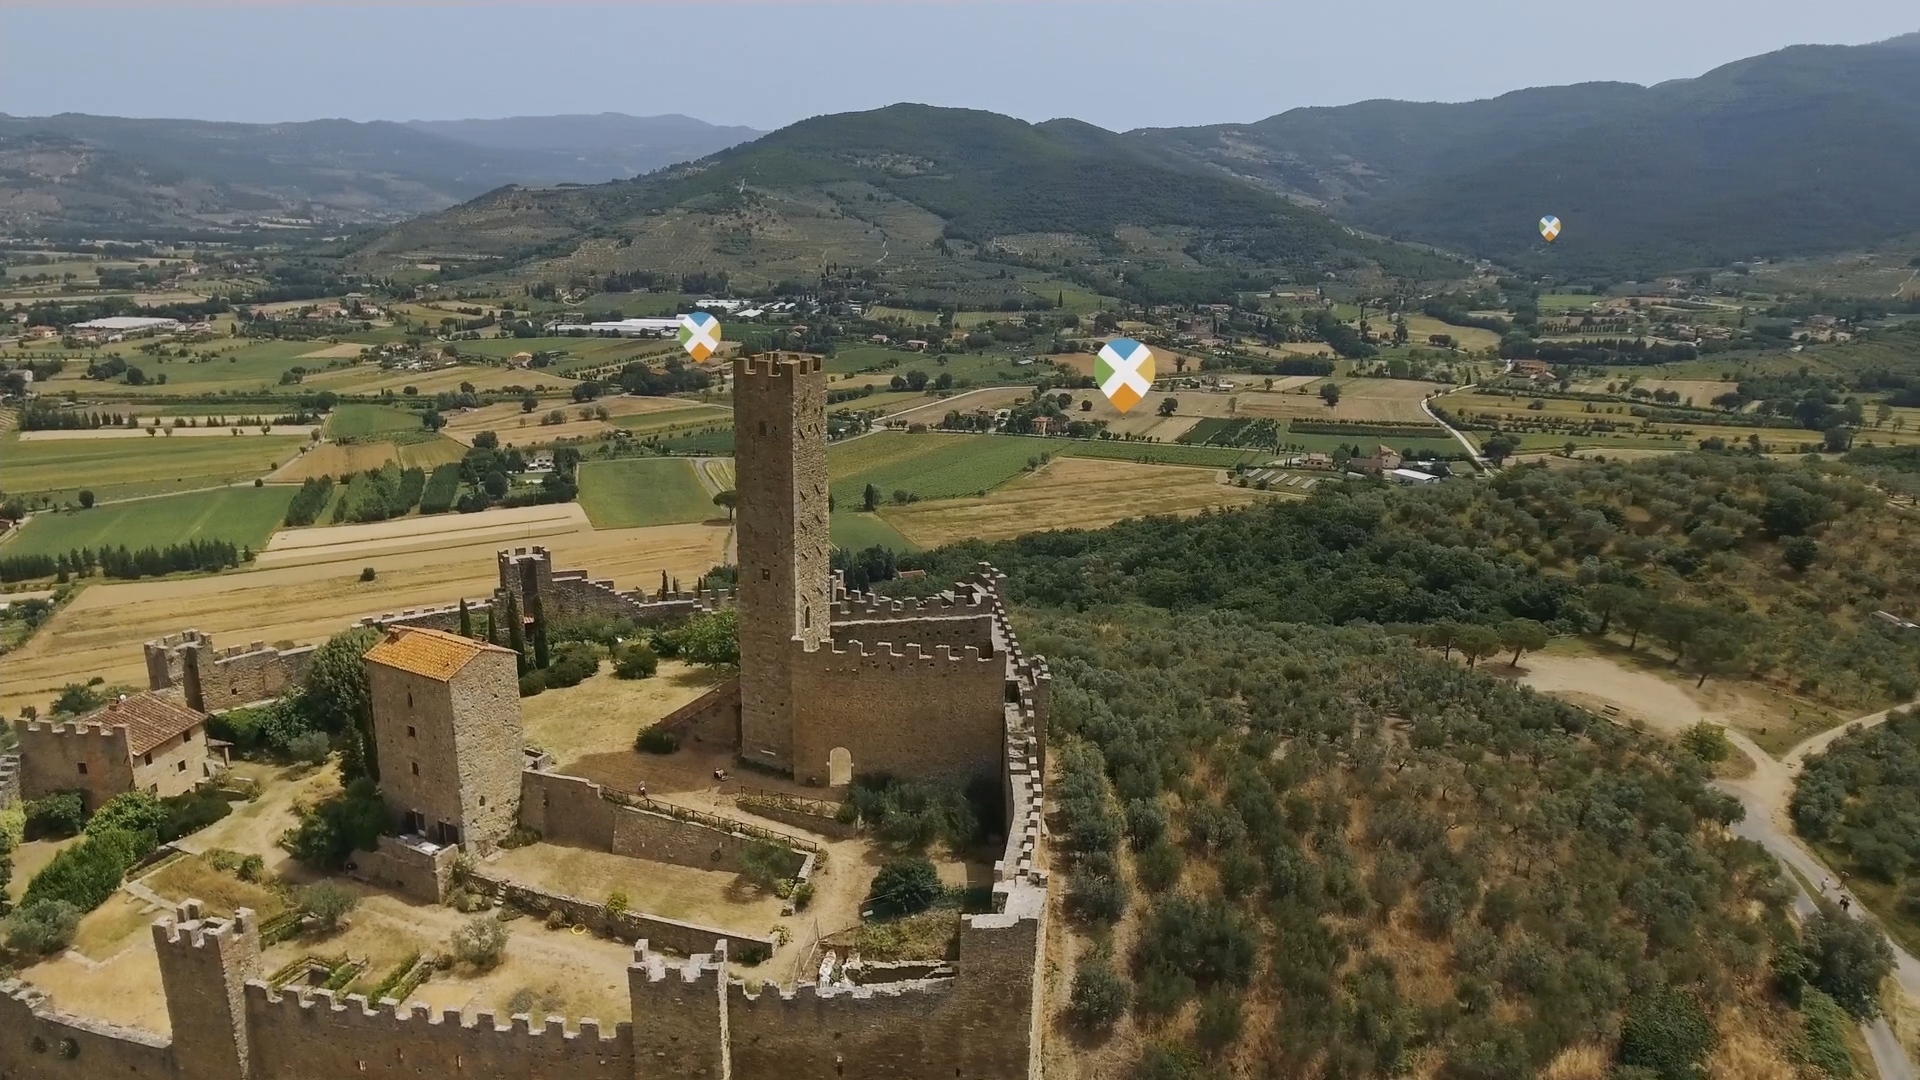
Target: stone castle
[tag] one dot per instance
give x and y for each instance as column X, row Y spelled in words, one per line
column 831, row 684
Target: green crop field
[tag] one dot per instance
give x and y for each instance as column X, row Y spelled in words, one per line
column 631, row 492
column 243, row 515
column 932, row 466
column 1155, row 453
column 1316, row 441
column 856, row 530
column 652, row 422
column 717, row 442
column 138, row 466
column 252, row 367
column 362, row 420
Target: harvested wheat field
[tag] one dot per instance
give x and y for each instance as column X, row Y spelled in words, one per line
column 344, row 351
column 282, row 430
column 100, row 632
column 1068, row 493
column 510, row 525
column 1395, row 400
column 517, row 427
column 335, row 460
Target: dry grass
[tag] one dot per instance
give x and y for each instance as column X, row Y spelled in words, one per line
column 335, row 460
column 193, row 878
column 344, row 351
column 601, row 715
column 112, row 927
column 1745, row 1051
column 710, row 897
column 1386, row 400
column 1583, row 1061
column 100, row 632
column 503, row 525
column 123, row 990
column 426, row 455
column 1903, row 1015
column 1067, row 493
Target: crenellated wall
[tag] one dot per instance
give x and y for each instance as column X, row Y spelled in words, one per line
column 213, row 679
column 903, row 710
column 39, row 1042
column 51, row 755
column 318, row 1036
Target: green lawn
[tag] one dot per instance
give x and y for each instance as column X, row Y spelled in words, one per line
column 250, row 367
column 648, row 423
column 243, row 515
column 359, row 420
column 631, row 492
column 856, row 530
column 932, row 466
column 138, row 466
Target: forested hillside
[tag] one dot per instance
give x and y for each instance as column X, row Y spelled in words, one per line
column 1804, row 150
column 1860, row 800
column 976, row 177
column 1728, row 564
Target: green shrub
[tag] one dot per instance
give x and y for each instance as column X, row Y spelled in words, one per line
column 573, row 662
column 765, row 864
column 712, row 639
column 1825, row 1045
column 191, row 811
column 309, row 747
column 655, row 741
column 1219, row 1022
column 1099, row 995
column 906, row 884
column 1668, row 1033
column 328, row 902
column 533, row 683
column 331, row 832
column 41, row 927
column 60, row 814
column 802, row 895
column 480, row 942
column 87, row 873
column 1849, row 959
column 636, row 661
column 132, row 811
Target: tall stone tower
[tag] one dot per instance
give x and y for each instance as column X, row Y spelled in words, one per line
column 204, row 966
column 786, row 563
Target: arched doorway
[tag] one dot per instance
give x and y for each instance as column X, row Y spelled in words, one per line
column 839, row 767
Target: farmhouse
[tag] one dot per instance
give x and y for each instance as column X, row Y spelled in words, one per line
column 150, row 742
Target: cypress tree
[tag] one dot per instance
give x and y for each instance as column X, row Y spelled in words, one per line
column 516, row 634
column 466, row 619
column 540, row 652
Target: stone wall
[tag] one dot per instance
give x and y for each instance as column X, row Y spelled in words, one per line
column 528, row 573
column 412, row 869
column 51, row 755
column 923, row 713
column 9, row 780
column 574, row 811
column 317, row 1036
column 959, row 631
column 679, row 1015
column 684, row 938
column 713, row 717
column 215, row 679
column 38, row 1042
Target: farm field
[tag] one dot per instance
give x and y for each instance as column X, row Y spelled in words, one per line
column 100, row 631
column 1067, row 493
column 632, row 492
column 371, row 379
column 1700, row 391
column 1154, row 453
column 652, row 423
column 294, row 547
column 112, row 469
column 239, row 367
column 932, row 466
column 243, row 515
column 1396, row 400
column 425, row 455
column 1469, row 338
column 520, row 428
column 201, row 432
column 336, row 460
column 363, row 420
column 856, row 530
column 1560, row 420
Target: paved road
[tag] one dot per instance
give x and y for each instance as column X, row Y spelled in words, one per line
column 1765, row 796
column 1472, row 452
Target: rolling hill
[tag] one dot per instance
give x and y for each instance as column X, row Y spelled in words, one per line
column 114, row 175
column 912, row 186
column 1807, row 150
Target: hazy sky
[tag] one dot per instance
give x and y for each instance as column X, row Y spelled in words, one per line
column 1120, row 65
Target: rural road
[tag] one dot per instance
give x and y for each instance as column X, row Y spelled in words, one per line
column 1765, row 794
column 1472, row 452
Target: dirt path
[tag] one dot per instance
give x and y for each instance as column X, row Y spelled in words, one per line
column 1670, row 708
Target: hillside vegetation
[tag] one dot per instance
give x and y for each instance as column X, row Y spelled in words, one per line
column 1803, row 150
column 975, row 176
column 1724, row 564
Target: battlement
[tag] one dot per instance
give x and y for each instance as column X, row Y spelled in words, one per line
column 883, row 650
column 652, row 967
column 189, row 928
column 514, row 556
column 76, row 728
column 185, row 638
column 354, row 1011
column 21, row 1005
column 777, row 365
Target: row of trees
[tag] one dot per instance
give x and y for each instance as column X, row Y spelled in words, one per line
column 122, row 562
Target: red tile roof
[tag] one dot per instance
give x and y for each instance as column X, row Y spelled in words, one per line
column 434, row 654
column 150, row 719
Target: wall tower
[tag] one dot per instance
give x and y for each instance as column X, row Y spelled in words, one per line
column 204, row 965
column 786, row 558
